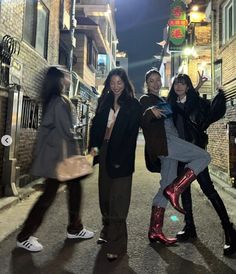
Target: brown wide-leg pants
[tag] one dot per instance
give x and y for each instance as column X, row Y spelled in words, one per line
column 114, row 199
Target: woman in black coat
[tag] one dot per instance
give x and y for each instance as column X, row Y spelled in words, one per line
column 192, row 115
column 56, row 132
column 114, row 133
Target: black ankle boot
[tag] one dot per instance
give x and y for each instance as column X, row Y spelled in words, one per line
column 187, row 233
column 230, row 232
column 230, row 241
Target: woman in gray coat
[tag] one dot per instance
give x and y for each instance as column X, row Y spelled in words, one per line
column 55, row 136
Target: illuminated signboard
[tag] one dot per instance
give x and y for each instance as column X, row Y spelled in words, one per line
column 177, row 25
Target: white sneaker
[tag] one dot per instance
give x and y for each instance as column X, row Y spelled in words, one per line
column 31, row 244
column 83, row 234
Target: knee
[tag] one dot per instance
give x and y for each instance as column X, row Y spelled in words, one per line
column 207, row 158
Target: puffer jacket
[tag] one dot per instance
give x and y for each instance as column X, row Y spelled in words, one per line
column 198, row 114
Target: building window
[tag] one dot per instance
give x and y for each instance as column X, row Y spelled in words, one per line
column 228, row 20
column 36, row 23
column 92, row 55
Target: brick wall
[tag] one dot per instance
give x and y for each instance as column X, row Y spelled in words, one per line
column 218, row 135
column 34, row 65
column 81, row 67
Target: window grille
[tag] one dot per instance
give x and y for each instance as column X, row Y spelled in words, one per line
column 30, row 113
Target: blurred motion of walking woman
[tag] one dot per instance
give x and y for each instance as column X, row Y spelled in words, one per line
column 56, row 130
column 163, row 150
column 192, row 115
column 114, row 133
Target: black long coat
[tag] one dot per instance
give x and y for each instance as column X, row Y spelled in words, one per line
column 122, row 144
column 198, row 114
column 154, row 133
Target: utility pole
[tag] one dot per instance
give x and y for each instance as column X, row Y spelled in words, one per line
column 73, row 24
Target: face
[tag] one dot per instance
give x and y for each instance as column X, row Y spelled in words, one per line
column 154, row 83
column 180, row 88
column 117, row 85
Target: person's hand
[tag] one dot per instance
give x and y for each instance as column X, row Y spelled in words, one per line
column 94, row 151
column 201, row 80
column 159, row 113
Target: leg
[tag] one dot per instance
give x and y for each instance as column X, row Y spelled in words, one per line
column 39, row 209
column 168, row 174
column 74, row 196
column 196, row 158
column 189, row 230
column 104, row 188
column 209, row 190
column 75, row 228
column 119, row 205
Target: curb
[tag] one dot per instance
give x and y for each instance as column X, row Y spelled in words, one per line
column 24, row 192
column 223, row 186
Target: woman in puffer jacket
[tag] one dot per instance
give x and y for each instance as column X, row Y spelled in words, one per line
column 192, row 115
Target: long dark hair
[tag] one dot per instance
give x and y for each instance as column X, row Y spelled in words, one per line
column 107, row 97
column 185, row 79
column 148, row 74
column 52, row 86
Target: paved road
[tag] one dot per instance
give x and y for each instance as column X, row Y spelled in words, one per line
column 62, row 256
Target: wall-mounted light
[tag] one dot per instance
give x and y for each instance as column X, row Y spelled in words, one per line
column 190, row 52
column 195, row 8
column 197, row 17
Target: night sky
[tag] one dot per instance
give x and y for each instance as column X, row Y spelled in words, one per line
column 139, row 25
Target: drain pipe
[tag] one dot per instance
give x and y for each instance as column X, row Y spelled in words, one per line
column 73, row 24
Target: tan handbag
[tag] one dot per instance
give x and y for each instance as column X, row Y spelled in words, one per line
column 73, row 167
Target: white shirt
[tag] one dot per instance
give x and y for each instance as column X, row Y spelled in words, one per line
column 112, row 117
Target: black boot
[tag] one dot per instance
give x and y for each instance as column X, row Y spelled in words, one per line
column 230, row 232
column 189, row 230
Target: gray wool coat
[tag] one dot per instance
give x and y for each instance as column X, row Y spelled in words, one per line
column 56, row 129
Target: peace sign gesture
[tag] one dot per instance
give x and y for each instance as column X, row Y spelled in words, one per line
column 201, row 80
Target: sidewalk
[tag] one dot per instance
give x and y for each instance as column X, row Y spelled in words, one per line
column 13, row 210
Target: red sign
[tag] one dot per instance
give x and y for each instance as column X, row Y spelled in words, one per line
column 175, row 22
column 177, row 34
column 177, row 11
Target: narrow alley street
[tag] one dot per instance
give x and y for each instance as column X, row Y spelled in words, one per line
column 61, row 256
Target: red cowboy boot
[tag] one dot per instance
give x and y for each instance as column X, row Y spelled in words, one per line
column 173, row 191
column 155, row 231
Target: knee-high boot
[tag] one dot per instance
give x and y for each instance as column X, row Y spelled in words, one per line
column 230, row 232
column 173, row 191
column 189, row 230
column 155, row 231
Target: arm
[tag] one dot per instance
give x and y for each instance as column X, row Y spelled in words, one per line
column 63, row 120
column 92, row 137
column 217, row 108
column 202, row 79
column 150, row 112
